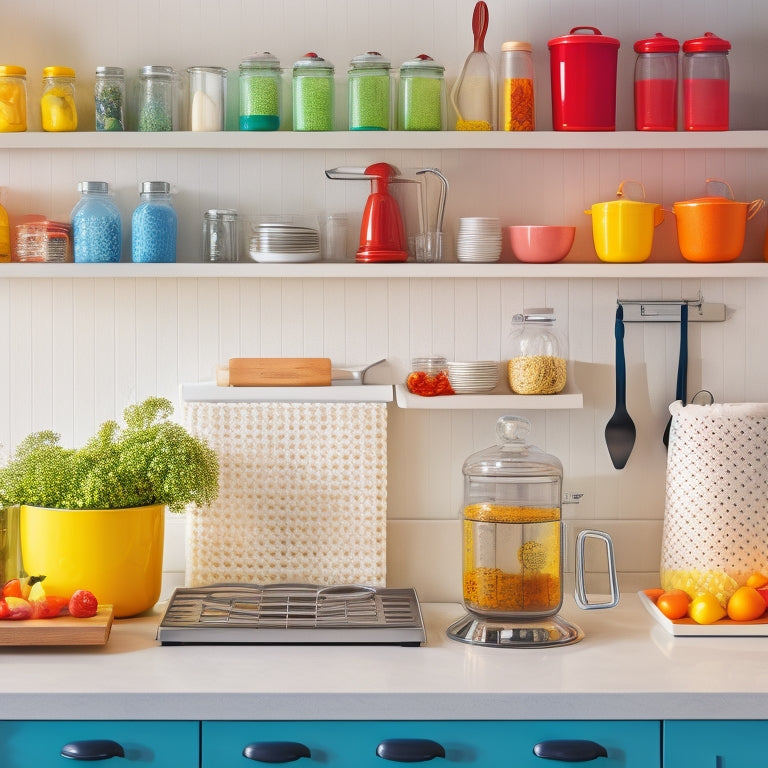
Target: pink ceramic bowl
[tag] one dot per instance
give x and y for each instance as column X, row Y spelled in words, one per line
column 540, row 244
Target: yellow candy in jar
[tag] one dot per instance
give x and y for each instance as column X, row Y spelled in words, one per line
column 57, row 105
column 13, row 99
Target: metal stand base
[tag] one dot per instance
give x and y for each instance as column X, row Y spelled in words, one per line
column 534, row 633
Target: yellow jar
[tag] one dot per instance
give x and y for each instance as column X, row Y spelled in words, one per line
column 57, row 105
column 13, row 99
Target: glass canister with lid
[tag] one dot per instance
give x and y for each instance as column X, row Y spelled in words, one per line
column 429, row 377
column 706, row 83
column 207, row 98
column 537, row 352
column 421, row 98
column 13, row 99
column 656, row 83
column 370, row 92
column 154, row 224
column 157, row 99
column 57, row 103
column 96, row 225
column 313, row 89
column 260, row 82
column 109, row 98
column 516, row 87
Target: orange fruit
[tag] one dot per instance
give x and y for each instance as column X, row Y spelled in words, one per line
column 673, row 603
column 757, row 580
column 654, row 593
column 746, row 604
column 706, row 609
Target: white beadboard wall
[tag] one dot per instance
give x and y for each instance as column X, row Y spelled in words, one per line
column 76, row 351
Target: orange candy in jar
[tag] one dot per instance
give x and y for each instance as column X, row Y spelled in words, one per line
column 516, row 98
column 429, row 377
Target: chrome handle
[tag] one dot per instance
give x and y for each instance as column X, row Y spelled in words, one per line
column 580, row 595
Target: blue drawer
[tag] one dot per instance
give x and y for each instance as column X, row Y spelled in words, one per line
column 715, row 743
column 161, row 744
column 335, row 744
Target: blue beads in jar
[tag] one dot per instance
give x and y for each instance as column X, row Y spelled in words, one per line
column 154, row 224
column 96, row 225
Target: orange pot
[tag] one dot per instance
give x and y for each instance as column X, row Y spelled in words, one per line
column 713, row 228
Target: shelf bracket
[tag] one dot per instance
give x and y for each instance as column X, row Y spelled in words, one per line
column 668, row 310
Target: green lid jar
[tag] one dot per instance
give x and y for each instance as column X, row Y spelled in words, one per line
column 421, row 102
column 260, row 92
column 313, row 94
column 369, row 92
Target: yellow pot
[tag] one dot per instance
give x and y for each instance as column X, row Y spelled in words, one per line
column 115, row 553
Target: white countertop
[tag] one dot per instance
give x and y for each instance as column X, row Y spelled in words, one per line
column 626, row 667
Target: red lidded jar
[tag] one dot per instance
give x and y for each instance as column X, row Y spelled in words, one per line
column 656, row 83
column 706, row 83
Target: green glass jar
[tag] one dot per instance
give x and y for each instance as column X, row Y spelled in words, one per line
column 313, row 94
column 369, row 92
column 421, row 101
column 260, row 93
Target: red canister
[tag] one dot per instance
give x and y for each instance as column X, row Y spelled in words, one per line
column 583, row 74
column 706, row 83
column 656, row 83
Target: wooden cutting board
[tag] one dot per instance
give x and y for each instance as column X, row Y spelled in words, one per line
column 63, row 630
column 279, row 372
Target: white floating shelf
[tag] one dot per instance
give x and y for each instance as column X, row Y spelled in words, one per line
column 500, row 402
column 208, row 392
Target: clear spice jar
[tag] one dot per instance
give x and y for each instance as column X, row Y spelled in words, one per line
column 421, row 99
column 537, row 352
column 313, row 89
column 220, row 237
column 157, row 99
column 96, row 226
column 429, row 377
column 154, row 224
column 260, row 84
column 109, row 98
column 516, row 87
column 370, row 92
column 57, row 103
column 13, row 99
column 207, row 98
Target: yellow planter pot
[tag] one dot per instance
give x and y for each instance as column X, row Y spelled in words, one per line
column 115, row 553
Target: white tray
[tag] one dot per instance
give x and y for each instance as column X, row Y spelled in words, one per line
column 689, row 628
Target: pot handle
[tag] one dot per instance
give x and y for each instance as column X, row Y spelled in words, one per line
column 595, row 30
column 754, row 207
column 620, row 190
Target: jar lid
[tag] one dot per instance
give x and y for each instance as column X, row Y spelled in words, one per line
column 370, row 60
column 581, row 36
column 659, row 43
column 516, row 45
column 11, row 70
column 223, row 214
column 423, row 62
column 263, row 60
column 101, row 187
column 208, row 70
column 312, row 61
column 58, row 72
column 535, row 315
column 149, row 187
column 110, row 72
column 513, row 455
column 155, row 70
column 710, row 43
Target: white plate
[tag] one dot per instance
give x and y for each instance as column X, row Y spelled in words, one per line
column 285, row 258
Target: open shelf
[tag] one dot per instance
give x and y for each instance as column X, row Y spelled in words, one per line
column 563, row 401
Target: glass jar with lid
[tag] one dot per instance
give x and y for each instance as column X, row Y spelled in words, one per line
column 57, row 103
column 656, row 83
column 207, row 98
column 109, row 98
column 429, row 377
column 421, row 99
column 706, row 83
column 157, row 99
column 313, row 88
column 516, row 87
column 260, row 84
column 13, row 99
column 154, row 224
column 96, row 225
column 537, row 352
column 370, row 92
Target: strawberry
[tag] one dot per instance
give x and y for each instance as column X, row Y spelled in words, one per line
column 83, row 604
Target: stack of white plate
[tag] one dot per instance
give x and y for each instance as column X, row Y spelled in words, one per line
column 280, row 242
column 474, row 377
column 479, row 239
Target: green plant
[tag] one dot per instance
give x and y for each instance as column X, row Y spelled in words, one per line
column 152, row 460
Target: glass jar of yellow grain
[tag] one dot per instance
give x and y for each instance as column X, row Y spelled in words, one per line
column 537, row 353
column 57, row 104
column 13, row 99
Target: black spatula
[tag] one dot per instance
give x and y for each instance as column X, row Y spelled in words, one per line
column 620, row 430
column 682, row 367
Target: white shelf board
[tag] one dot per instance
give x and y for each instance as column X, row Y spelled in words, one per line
column 328, row 270
column 500, row 402
column 209, row 392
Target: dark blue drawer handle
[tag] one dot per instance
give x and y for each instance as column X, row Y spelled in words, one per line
column 276, row 751
column 409, row 750
column 92, row 749
column 569, row 750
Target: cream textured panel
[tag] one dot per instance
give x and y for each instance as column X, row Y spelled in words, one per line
column 302, row 494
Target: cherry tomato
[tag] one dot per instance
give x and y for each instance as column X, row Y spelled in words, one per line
column 673, row 603
column 83, row 604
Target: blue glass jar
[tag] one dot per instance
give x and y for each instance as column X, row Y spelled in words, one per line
column 154, row 224
column 96, row 227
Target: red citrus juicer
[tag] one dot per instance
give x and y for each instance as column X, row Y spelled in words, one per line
column 382, row 233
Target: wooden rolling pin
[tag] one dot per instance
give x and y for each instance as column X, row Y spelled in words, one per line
column 276, row 372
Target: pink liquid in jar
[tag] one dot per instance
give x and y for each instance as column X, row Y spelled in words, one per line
column 656, row 105
column 705, row 104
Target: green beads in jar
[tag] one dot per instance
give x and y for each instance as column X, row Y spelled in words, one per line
column 369, row 93
column 260, row 93
column 313, row 94
column 421, row 103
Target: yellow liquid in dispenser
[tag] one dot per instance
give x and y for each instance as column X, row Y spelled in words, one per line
column 512, row 560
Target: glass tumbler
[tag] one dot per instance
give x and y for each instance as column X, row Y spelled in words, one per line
column 220, row 238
